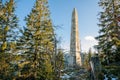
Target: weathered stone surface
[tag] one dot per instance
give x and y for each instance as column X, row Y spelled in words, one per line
column 75, row 59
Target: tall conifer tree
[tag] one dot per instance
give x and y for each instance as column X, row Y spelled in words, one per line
column 40, row 26
column 8, row 24
column 8, row 27
column 109, row 38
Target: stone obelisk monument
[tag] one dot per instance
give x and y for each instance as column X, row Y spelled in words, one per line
column 75, row 44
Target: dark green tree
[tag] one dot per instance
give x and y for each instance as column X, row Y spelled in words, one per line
column 109, row 33
column 59, row 63
column 25, row 50
column 40, row 26
column 8, row 30
column 8, row 24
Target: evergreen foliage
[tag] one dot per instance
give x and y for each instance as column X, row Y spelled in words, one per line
column 8, row 36
column 30, row 56
column 59, row 63
column 87, row 59
column 30, row 53
column 109, row 33
column 40, row 38
column 8, row 24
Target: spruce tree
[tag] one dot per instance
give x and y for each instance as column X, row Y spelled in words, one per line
column 8, row 24
column 24, row 49
column 8, row 28
column 40, row 26
column 109, row 33
column 59, row 63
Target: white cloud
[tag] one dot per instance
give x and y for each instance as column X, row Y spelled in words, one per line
column 89, row 38
column 88, row 42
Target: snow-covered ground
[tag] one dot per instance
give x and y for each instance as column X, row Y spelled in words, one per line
column 65, row 76
column 74, row 74
column 113, row 78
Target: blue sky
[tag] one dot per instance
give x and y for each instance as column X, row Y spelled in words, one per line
column 61, row 11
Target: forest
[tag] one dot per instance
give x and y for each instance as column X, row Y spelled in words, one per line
column 30, row 52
